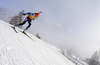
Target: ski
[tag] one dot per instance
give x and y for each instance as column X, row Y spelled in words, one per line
column 14, row 29
column 26, row 34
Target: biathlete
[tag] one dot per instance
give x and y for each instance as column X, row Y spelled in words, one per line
column 29, row 18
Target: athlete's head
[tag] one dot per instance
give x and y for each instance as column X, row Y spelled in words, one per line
column 37, row 14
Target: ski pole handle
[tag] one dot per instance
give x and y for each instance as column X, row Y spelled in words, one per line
column 40, row 12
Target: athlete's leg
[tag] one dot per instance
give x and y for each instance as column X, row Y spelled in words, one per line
column 23, row 22
column 29, row 24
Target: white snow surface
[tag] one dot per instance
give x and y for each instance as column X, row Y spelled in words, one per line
column 18, row 49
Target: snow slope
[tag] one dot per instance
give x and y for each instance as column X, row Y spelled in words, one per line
column 18, row 49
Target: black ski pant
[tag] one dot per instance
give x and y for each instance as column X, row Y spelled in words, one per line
column 29, row 22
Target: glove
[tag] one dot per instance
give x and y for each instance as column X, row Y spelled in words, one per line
column 24, row 14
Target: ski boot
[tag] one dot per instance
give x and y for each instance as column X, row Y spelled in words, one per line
column 24, row 31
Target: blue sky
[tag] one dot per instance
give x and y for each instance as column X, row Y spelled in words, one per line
column 69, row 24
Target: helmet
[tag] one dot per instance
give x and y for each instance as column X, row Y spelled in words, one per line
column 37, row 14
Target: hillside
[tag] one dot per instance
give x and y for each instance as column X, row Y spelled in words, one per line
column 18, row 49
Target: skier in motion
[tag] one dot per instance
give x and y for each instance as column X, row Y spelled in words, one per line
column 29, row 18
